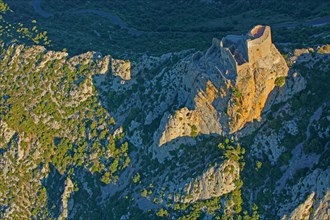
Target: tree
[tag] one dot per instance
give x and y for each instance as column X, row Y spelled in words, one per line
column 258, row 165
column 114, row 166
column 237, row 199
column 194, row 131
column 280, row 81
column 106, row 178
column 3, row 7
column 162, row 213
column 144, row 193
column 136, row 178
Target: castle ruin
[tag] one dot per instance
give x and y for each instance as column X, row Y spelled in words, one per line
column 240, row 51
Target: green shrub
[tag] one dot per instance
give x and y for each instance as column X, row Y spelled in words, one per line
column 162, row 213
column 144, row 193
column 236, row 92
column 280, row 81
column 194, row 131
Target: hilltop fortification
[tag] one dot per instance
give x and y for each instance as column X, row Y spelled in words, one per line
column 231, row 84
column 240, row 51
column 259, row 43
column 255, row 64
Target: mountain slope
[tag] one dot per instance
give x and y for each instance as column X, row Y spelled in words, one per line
column 231, row 132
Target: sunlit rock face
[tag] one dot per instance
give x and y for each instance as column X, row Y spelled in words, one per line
column 315, row 205
column 215, row 182
column 121, row 68
column 229, row 85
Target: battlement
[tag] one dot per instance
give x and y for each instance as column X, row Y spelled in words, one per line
column 246, row 49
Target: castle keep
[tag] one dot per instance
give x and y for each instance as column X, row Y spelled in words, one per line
column 240, row 51
column 259, row 43
column 251, row 63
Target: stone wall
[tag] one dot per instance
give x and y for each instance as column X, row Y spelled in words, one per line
column 259, row 44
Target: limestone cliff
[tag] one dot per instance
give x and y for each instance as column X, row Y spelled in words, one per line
column 215, row 182
column 315, row 206
column 253, row 85
column 203, row 119
column 121, row 68
column 221, row 90
column 65, row 122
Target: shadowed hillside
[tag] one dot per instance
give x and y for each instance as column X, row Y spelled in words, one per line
column 159, row 26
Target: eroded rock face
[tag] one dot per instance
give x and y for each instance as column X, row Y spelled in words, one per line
column 311, row 209
column 317, row 183
column 203, row 119
column 322, row 210
column 302, row 212
column 121, row 68
column 215, row 182
column 228, row 86
column 65, row 198
column 253, row 85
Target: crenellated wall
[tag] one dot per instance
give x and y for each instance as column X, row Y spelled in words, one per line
column 257, row 44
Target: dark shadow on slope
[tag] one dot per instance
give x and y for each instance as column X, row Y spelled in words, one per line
column 54, row 184
column 149, row 102
column 185, row 161
column 85, row 204
column 88, row 202
column 169, row 25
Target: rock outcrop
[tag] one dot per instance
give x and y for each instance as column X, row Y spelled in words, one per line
column 203, row 119
column 325, row 49
column 317, row 183
column 228, row 86
column 121, row 68
column 215, row 182
column 302, row 212
column 256, row 64
column 69, row 187
column 322, row 210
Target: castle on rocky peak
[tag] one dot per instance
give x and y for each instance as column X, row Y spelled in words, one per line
column 242, row 50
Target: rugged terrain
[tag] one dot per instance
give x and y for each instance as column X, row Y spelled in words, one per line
column 237, row 131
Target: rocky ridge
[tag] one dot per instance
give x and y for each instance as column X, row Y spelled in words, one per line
column 220, row 94
column 173, row 110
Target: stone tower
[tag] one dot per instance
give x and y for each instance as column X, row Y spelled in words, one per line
column 259, row 43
